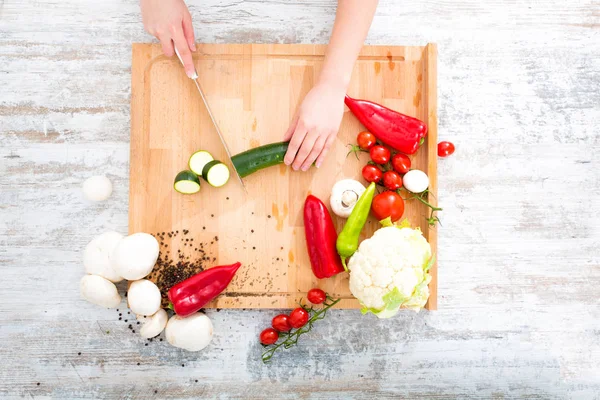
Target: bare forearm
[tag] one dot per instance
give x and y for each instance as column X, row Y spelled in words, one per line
column 352, row 22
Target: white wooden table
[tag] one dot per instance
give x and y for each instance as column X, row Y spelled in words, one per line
column 519, row 277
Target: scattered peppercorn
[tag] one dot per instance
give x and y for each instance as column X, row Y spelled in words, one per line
column 38, row 384
column 183, row 365
column 79, row 353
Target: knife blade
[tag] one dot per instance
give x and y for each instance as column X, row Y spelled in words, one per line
column 196, row 80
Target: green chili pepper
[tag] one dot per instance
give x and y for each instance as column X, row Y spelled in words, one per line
column 347, row 241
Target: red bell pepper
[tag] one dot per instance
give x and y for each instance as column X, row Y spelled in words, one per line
column 321, row 238
column 399, row 131
column 195, row 292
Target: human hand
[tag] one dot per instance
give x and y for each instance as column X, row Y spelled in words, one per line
column 315, row 126
column 170, row 22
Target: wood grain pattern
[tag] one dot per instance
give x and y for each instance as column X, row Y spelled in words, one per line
column 519, row 311
column 254, row 91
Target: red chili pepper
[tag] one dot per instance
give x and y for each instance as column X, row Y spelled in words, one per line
column 195, row 292
column 398, row 131
column 321, row 238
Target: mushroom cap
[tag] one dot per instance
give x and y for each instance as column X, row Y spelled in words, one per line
column 344, row 195
column 135, row 256
column 97, row 256
column 154, row 324
column 97, row 188
column 99, row 291
column 143, row 297
column 191, row 333
column 415, row 181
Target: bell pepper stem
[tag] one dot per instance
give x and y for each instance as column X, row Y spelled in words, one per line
column 344, row 264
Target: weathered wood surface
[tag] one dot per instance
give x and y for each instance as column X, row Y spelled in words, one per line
column 519, row 315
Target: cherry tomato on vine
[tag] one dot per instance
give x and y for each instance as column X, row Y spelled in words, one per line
column 269, row 336
column 445, row 149
column 392, row 180
column 298, row 318
column 281, row 323
column 380, row 154
column 316, row 296
column 388, row 204
column 401, row 163
column 372, row 173
column 366, row 140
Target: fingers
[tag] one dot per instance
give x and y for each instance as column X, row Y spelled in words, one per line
column 184, row 51
column 292, row 128
column 295, row 143
column 188, row 31
column 167, row 45
column 305, row 149
column 328, row 144
column 314, row 153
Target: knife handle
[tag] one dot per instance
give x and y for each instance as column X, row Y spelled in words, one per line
column 195, row 76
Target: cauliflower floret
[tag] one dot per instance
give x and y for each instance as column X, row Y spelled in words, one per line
column 389, row 271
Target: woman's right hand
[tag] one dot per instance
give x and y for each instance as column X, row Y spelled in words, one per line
column 170, row 22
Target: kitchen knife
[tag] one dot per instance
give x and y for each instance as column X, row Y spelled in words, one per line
column 214, row 121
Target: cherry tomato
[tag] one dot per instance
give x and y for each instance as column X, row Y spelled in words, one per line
column 380, row 154
column 388, row 204
column 401, row 163
column 281, row 323
column 372, row 173
column 298, row 317
column 445, row 149
column 316, row 296
column 366, row 140
column 392, row 180
column 269, row 336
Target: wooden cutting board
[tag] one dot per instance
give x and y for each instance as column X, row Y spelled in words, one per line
column 253, row 91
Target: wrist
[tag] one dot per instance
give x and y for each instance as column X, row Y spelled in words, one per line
column 334, row 80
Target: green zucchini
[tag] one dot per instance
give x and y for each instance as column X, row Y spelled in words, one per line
column 187, row 182
column 198, row 160
column 215, row 173
column 253, row 160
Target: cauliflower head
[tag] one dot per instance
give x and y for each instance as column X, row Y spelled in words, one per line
column 389, row 271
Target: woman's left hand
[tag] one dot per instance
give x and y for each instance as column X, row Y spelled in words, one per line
column 315, row 126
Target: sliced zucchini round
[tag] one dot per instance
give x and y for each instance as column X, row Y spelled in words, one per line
column 187, row 182
column 216, row 173
column 198, row 160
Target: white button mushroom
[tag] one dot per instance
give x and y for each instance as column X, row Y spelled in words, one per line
column 99, row 291
column 97, row 255
column 143, row 297
column 192, row 333
column 344, row 195
column 415, row 181
column 154, row 325
column 135, row 256
column 97, row 188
